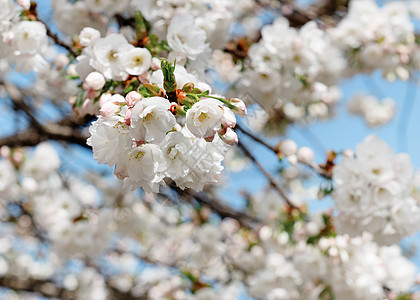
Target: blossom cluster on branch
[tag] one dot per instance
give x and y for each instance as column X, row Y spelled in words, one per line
column 167, row 94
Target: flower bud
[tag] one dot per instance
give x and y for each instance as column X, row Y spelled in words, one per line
column 117, row 99
column 239, row 106
column 202, row 86
column 155, row 64
column 292, row 159
column 132, row 98
column 61, row 60
column 288, row 147
column 109, row 109
column 88, row 108
column 127, row 117
column 188, row 87
column 5, row 152
column 228, row 119
column 348, row 153
column 104, row 99
column 144, row 78
column 209, row 139
column 121, row 171
column 8, row 37
column 72, row 100
column 88, row 36
column 25, row 4
column 18, row 157
column 95, row 80
column 230, row 137
column 179, row 57
column 71, row 70
column 305, row 155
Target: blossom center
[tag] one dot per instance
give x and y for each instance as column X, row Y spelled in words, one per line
column 149, row 118
column 138, row 60
column 112, row 55
column 202, row 117
column 139, row 155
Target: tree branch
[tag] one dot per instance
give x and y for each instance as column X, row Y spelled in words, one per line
column 223, row 210
column 46, row 288
column 270, row 178
column 317, row 168
column 57, row 39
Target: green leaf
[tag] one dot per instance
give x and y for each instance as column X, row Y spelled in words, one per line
column 79, row 100
column 149, row 90
column 188, row 87
column 169, row 82
column 141, row 28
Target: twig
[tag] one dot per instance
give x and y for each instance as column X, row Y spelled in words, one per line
column 256, row 138
column 317, row 168
column 270, row 178
column 223, row 210
column 57, row 39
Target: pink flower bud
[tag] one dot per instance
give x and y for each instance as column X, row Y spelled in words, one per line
column 305, row 155
column 117, row 99
column 72, row 100
column 292, row 159
column 155, row 64
column 202, row 86
column 88, row 36
column 61, row 60
column 288, row 147
column 8, row 37
column 18, row 157
column 179, row 57
column 25, row 4
column 5, row 152
column 109, row 109
column 144, row 78
column 120, row 171
column 348, row 153
column 95, row 80
column 132, row 98
column 71, row 70
column 88, row 108
column 230, row 137
column 209, row 138
column 239, row 107
column 127, row 118
column 228, row 119
column 91, row 94
column 104, row 99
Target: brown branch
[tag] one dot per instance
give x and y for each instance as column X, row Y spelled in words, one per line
column 223, row 210
column 315, row 167
column 51, row 131
column 45, row 288
column 330, row 11
column 66, row 129
column 270, row 178
column 57, row 40
column 256, row 138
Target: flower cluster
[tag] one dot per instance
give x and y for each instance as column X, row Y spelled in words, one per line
column 378, row 38
column 23, row 41
column 113, row 56
column 295, row 70
column 149, row 137
column 156, row 120
column 373, row 193
column 375, row 112
column 290, row 256
column 356, row 268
